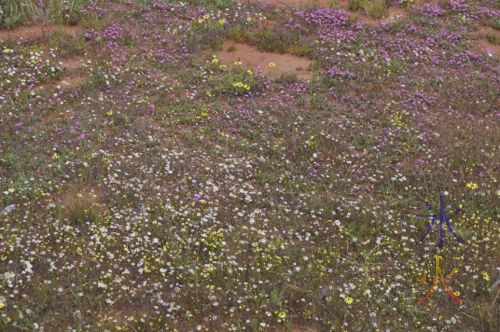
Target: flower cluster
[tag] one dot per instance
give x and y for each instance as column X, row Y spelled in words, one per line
column 430, row 9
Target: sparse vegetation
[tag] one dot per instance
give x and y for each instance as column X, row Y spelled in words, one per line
column 213, row 166
column 377, row 8
column 16, row 12
column 357, row 4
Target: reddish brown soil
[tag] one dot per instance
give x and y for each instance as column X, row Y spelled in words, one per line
column 34, row 32
column 481, row 43
column 253, row 58
column 73, row 77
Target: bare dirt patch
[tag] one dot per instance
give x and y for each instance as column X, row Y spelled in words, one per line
column 80, row 201
column 33, row 32
column 252, row 58
column 395, row 14
column 74, row 76
column 480, row 41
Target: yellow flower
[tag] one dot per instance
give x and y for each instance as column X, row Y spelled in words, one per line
column 205, row 17
column 200, row 21
column 238, row 63
column 272, row 65
column 215, row 61
column 249, row 72
column 485, row 275
column 457, row 293
column 472, row 185
column 348, row 300
column 110, row 113
column 2, row 302
column 281, row 314
column 249, row 19
column 222, row 21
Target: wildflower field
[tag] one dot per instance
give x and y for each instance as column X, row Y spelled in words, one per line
column 225, row 165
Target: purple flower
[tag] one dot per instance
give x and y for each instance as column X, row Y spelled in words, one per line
column 325, row 17
column 459, row 5
column 487, row 12
column 335, row 72
column 40, row 4
column 430, row 9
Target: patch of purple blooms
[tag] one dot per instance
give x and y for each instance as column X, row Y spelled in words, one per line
column 112, row 32
column 459, row 5
column 89, row 35
column 430, row 9
column 331, row 23
column 487, row 12
column 325, row 17
column 336, row 73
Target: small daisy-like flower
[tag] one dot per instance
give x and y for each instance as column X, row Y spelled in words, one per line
column 485, row 275
column 281, row 314
column 205, row 17
column 272, row 65
column 249, row 72
column 2, row 302
column 249, row 19
column 348, row 300
column 472, row 185
column 238, row 63
column 222, row 21
column 457, row 293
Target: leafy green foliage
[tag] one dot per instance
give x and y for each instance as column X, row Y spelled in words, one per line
column 11, row 13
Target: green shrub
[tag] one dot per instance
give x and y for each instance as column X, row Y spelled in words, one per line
column 377, row 8
column 15, row 12
column 302, row 50
column 11, row 13
column 493, row 38
column 356, row 4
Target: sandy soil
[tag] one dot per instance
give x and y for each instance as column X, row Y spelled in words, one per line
column 253, row 58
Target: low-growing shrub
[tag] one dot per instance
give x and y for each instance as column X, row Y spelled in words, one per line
column 493, row 38
column 356, row 4
column 16, row 12
column 377, row 8
column 11, row 13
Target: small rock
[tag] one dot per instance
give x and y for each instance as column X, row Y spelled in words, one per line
column 8, row 209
